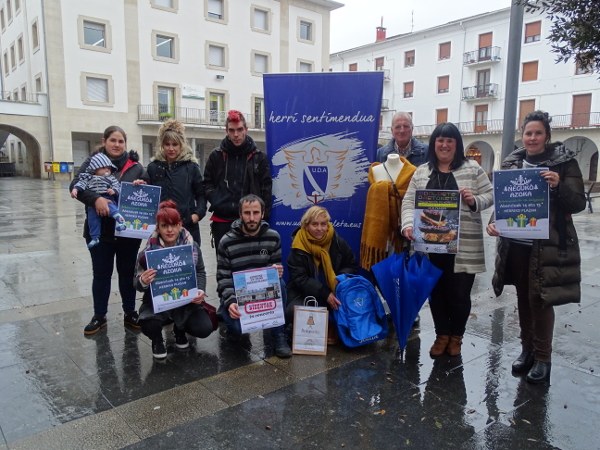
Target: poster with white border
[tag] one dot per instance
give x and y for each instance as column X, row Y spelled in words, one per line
column 436, row 221
column 258, row 294
column 175, row 282
column 138, row 205
column 521, row 203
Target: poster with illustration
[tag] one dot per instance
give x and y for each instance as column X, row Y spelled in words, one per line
column 138, row 205
column 521, row 203
column 258, row 294
column 175, row 281
column 436, row 221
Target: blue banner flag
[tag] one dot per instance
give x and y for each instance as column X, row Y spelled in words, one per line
column 321, row 134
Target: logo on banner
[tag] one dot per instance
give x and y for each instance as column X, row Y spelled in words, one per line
column 319, row 168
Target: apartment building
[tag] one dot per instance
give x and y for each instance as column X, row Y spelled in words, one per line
column 135, row 63
column 457, row 72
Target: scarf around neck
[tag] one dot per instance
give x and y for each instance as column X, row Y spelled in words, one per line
column 319, row 250
column 382, row 214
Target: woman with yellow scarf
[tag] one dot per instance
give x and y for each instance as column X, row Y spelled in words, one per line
column 318, row 255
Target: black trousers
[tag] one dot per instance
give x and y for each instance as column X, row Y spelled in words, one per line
column 198, row 325
column 218, row 230
column 450, row 300
column 535, row 319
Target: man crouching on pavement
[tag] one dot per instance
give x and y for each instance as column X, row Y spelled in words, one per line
column 249, row 244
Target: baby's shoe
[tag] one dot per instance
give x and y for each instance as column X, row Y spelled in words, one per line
column 93, row 243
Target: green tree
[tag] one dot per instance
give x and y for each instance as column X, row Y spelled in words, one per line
column 575, row 31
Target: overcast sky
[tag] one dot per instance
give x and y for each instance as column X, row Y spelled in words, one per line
column 354, row 24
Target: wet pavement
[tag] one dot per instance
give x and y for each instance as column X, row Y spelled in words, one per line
column 59, row 389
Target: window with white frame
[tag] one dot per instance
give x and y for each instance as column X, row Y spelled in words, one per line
column 20, row 51
column 13, row 58
column 9, row 10
column 97, row 90
column 94, row 34
column 24, row 93
column 261, row 19
column 305, row 30
column 260, row 63
column 216, row 106
column 2, row 22
column 217, row 55
column 38, row 83
column 165, row 99
column 305, row 66
column 259, row 111
column 6, row 66
column 167, row 5
column 216, row 10
column 17, row 6
column 165, row 46
column 35, row 37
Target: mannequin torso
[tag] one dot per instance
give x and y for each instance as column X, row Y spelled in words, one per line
column 393, row 164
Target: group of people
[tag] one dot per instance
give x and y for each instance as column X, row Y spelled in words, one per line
column 236, row 183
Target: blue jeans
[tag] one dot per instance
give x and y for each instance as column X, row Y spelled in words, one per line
column 94, row 221
column 233, row 325
column 125, row 251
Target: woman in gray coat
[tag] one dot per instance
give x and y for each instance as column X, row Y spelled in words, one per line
column 545, row 272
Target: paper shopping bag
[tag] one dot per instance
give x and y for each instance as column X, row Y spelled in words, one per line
column 310, row 328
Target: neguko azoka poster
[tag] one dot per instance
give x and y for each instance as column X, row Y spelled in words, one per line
column 175, row 281
column 521, row 202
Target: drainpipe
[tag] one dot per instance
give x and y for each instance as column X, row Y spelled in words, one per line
column 50, row 134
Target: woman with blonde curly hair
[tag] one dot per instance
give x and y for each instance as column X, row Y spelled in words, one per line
column 175, row 169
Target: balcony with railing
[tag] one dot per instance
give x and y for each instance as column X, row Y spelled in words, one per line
column 489, row 90
column 193, row 116
column 481, row 56
column 496, row 126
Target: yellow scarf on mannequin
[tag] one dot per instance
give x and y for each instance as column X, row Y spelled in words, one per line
column 382, row 214
column 319, row 249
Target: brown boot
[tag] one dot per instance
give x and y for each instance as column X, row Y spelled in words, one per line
column 439, row 346
column 454, row 345
column 332, row 335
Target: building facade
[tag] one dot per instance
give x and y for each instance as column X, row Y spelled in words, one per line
column 136, row 63
column 456, row 72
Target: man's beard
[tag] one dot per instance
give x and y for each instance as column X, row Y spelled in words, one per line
column 250, row 227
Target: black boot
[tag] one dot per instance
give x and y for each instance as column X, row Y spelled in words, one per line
column 539, row 373
column 282, row 349
column 523, row 363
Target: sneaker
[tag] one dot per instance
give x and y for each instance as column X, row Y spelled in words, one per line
column 93, row 243
column 159, row 351
column 95, row 325
column 119, row 218
column 181, row 340
column 132, row 320
column 120, row 227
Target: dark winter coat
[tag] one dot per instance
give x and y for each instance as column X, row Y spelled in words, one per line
column 417, row 154
column 128, row 169
column 238, row 251
column 180, row 181
column 555, row 263
column 304, row 278
column 233, row 172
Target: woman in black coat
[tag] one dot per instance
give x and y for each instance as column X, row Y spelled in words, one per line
column 545, row 272
column 318, row 255
column 176, row 170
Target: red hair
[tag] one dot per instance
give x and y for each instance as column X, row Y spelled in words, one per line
column 234, row 115
column 167, row 213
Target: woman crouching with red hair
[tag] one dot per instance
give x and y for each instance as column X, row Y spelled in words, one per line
column 191, row 318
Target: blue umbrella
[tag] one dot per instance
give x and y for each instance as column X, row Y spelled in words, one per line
column 405, row 281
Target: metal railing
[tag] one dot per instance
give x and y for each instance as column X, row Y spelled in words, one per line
column 192, row 116
column 565, row 121
column 489, row 90
column 484, row 54
column 9, row 96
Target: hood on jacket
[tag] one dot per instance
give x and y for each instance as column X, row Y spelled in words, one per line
column 186, row 154
column 98, row 161
column 556, row 151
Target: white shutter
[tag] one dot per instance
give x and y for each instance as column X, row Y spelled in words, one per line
column 97, row 90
